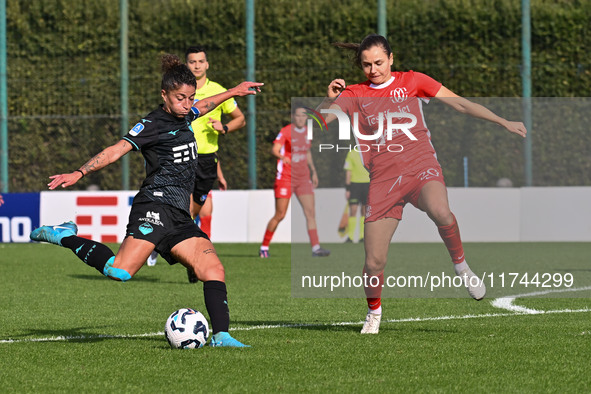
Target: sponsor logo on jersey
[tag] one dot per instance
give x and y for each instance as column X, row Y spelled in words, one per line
column 173, row 132
column 184, row 152
column 136, row 129
column 151, row 217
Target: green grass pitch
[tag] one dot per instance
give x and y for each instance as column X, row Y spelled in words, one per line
column 65, row 328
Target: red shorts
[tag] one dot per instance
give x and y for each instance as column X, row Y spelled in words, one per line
column 387, row 199
column 283, row 188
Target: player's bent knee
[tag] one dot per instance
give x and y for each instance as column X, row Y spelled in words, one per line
column 115, row 273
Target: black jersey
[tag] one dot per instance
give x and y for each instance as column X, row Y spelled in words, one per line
column 170, row 153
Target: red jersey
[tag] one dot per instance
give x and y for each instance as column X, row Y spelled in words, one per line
column 295, row 146
column 395, row 153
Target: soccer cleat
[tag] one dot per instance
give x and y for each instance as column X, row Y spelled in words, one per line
column 264, row 253
column 152, row 259
column 54, row 234
column 348, row 241
column 475, row 286
column 372, row 323
column 321, row 253
column 192, row 276
column 224, row 339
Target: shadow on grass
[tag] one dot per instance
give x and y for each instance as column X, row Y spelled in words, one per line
column 333, row 327
column 73, row 335
column 146, row 279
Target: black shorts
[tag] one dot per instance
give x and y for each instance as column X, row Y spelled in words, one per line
column 163, row 225
column 358, row 193
column 205, row 176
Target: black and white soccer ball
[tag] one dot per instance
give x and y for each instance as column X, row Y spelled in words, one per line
column 186, row 329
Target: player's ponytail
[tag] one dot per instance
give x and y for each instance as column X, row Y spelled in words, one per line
column 175, row 73
column 368, row 42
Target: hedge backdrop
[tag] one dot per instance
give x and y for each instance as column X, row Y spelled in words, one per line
column 63, row 78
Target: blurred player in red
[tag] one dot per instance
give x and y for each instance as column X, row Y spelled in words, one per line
column 403, row 166
column 294, row 167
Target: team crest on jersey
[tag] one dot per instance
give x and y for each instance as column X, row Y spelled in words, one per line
column 136, row 129
column 146, row 228
column 398, row 95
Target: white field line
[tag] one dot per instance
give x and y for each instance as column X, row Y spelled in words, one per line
column 507, row 302
column 515, row 312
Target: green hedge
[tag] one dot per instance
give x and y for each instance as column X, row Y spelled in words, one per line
column 63, row 77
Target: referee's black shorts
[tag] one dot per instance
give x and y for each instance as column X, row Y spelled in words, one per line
column 205, row 176
column 358, row 193
column 163, row 225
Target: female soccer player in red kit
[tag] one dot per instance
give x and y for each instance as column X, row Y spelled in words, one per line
column 403, row 165
column 294, row 163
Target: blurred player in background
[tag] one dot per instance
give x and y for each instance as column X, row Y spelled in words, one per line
column 207, row 129
column 357, row 188
column 398, row 176
column 160, row 218
column 294, row 167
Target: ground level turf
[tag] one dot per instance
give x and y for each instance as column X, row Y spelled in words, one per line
column 63, row 327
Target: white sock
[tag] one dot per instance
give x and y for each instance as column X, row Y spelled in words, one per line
column 461, row 267
column 375, row 311
column 315, row 248
column 264, row 248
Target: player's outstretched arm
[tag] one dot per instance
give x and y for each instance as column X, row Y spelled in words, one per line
column 107, row 156
column 466, row 106
column 244, row 89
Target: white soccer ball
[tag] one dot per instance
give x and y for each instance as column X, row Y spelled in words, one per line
column 186, row 329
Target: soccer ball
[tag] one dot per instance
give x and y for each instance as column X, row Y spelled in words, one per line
column 186, row 329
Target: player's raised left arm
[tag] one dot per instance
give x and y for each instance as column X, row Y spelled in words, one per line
column 466, row 106
column 107, row 156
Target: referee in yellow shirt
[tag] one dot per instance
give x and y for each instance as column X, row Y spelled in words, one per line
column 210, row 127
column 207, row 130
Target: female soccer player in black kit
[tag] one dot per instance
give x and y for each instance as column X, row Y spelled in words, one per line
column 160, row 217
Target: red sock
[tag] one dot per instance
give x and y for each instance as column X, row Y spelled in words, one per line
column 206, row 225
column 313, row 234
column 451, row 237
column 373, row 293
column 268, row 237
